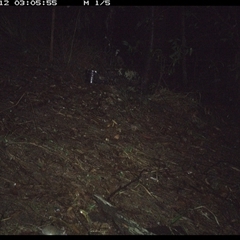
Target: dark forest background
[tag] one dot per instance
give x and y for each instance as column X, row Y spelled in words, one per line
column 186, row 49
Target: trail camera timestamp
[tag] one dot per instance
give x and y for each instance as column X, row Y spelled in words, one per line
column 28, row 3
column 35, row 3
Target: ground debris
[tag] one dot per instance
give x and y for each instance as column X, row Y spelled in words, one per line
column 125, row 225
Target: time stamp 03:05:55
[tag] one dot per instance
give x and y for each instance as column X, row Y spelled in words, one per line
column 28, row 3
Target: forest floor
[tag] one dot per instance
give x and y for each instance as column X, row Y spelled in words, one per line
column 78, row 158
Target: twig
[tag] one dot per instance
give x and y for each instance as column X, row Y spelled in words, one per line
column 126, row 185
column 210, row 212
column 14, row 104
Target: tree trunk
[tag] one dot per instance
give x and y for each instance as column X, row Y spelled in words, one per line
column 147, row 71
column 52, row 35
column 184, row 47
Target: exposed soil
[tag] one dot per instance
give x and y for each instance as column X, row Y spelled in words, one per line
column 160, row 160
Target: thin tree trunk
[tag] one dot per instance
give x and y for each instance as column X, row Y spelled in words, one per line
column 52, row 35
column 146, row 76
column 184, row 47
